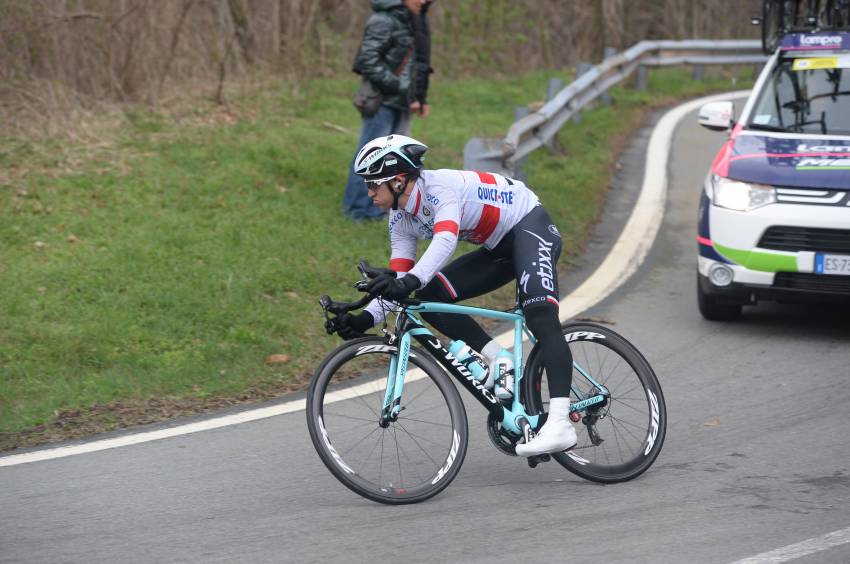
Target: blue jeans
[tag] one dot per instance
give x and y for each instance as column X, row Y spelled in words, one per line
column 356, row 203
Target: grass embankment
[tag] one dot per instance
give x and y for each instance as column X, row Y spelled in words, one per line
column 153, row 273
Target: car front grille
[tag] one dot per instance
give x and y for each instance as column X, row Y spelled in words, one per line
column 820, row 283
column 794, row 239
column 813, row 196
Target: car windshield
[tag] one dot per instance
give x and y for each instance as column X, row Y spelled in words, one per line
column 804, row 100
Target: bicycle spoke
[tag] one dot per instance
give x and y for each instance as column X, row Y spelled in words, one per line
column 447, row 425
column 413, row 438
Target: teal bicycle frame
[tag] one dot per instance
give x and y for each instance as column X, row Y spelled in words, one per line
column 410, row 327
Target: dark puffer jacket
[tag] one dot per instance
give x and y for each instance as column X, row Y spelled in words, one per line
column 386, row 55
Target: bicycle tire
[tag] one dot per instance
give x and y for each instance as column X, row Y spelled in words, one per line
column 634, row 417
column 417, row 456
column 772, row 23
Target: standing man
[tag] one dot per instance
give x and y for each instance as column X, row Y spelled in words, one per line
column 422, row 35
column 386, row 58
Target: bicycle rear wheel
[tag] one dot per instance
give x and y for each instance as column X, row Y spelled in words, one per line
column 631, row 424
column 772, row 24
column 411, row 459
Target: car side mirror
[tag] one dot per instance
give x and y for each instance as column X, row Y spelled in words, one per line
column 717, row 116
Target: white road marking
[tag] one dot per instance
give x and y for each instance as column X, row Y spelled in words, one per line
column 800, row 549
column 622, row 261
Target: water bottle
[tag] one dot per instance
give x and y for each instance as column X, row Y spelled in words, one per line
column 463, row 353
column 503, row 368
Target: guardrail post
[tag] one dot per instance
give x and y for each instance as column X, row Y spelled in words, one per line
column 699, row 72
column 553, row 86
column 642, row 78
column 519, row 164
column 581, row 68
column 484, row 155
column 605, row 98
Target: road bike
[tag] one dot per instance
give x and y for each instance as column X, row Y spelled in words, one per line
column 389, row 424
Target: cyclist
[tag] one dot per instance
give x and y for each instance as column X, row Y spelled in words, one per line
column 519, row 242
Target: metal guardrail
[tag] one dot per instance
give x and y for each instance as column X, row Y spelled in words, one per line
column 539, row 128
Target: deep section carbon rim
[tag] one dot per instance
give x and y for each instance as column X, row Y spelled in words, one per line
column 631, row 424
column 411, row 459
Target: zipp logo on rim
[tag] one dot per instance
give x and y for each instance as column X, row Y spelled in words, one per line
column 653, row 432
column 450, row 460
column 582, row 336
column 331, row 448
column 375, row 348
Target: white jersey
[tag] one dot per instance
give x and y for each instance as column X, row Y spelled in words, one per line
column 447, row 205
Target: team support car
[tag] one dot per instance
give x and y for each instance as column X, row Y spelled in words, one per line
column 774, row 214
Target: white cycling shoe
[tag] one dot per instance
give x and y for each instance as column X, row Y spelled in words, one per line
column 556, row 435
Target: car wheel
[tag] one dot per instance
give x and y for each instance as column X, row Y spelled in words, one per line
column 713, row 311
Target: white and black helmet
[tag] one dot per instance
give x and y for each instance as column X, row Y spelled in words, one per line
column 385, row 157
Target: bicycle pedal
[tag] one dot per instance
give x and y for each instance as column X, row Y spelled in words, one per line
column 533, row 461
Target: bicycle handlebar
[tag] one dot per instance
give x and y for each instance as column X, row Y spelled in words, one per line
column 341, row 308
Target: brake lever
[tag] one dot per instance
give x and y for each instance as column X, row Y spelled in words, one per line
column 330, row 323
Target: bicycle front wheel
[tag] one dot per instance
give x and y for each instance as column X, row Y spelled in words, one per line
column 409, row 460
column 619, row 439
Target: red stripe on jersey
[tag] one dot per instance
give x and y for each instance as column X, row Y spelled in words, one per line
column 447, row 225
column 486, row 177
column 449, row 288
column 553, row 301
column 401, row 264
column 486, row 224
column 418, row 201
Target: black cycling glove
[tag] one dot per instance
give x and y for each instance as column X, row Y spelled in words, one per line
column 391, row 287
column 352, row 326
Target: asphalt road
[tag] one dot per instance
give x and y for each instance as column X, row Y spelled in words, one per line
column 756, row 455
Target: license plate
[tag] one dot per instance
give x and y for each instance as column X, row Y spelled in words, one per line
column 832, row 264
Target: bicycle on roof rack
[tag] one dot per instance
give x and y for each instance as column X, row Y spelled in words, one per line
column 781, row 17
column 396, row 435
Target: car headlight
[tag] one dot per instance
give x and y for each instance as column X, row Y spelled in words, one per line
column 740, row 196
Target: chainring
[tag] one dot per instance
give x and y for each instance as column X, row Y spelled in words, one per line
column 500, row 438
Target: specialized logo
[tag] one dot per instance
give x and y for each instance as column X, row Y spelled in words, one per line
column 464, row 371
column 523, row 281
column 544, row 262
column 578, row 406
column 450, row 460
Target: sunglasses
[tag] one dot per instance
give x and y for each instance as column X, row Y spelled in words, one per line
column 375, row 184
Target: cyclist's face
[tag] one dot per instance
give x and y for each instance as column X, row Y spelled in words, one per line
column 380, row 194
